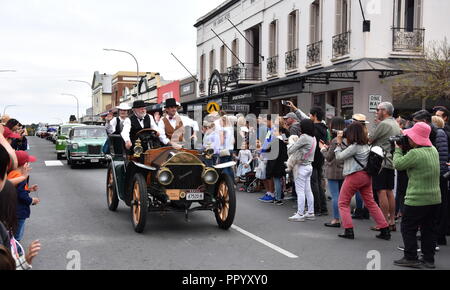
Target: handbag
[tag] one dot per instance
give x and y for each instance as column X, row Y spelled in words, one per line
column 19, row 257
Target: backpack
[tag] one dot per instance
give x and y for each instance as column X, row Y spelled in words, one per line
column 374, row 162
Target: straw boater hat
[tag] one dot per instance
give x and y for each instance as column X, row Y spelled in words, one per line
column 124, row 107
column 360, row 118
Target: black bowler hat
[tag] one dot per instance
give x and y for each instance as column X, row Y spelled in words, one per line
column 171, row 103
column 139, row 104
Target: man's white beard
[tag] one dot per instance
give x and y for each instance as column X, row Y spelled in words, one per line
column 141, row 116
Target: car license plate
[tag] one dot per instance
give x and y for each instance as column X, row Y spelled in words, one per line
column 195, row 196
column 95, row 161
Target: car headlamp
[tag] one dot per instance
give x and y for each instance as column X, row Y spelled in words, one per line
column 75, row 146
column 165, row 176
column 210, row 176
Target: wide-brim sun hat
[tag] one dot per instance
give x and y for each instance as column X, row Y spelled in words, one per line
column 420, row 134
column 123, row 107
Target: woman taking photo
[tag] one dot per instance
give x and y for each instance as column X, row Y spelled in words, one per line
column 355, row 158
column 333, row 169
column 302, row 155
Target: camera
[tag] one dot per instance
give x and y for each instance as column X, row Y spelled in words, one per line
column 402, row 141
column 447, row 176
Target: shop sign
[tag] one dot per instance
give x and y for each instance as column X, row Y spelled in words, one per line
column 242, row 98
column 374, row 102
column 236, row 108
column 347, row 101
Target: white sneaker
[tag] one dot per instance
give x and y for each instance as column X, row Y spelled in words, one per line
column 297, row 218
column 310, row 217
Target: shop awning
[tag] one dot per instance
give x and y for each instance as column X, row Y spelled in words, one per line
column 343, row 72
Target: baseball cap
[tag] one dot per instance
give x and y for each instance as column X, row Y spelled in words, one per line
column 23, row 158
column 291, row 115
column 8, row 134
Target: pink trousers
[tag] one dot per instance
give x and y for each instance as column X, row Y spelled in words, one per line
column 359, row 182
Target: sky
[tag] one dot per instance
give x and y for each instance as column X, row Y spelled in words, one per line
column 49, row 42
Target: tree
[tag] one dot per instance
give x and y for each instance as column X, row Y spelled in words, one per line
column 426, row 78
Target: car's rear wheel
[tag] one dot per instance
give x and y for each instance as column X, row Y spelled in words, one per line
column 226, row 198
column 59, row 156
column 111, row 193
column 139, row 203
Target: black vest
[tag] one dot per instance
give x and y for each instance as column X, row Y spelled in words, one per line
column 118, row 127
column 136, row 126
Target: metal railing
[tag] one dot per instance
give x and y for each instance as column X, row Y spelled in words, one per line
column 291, row 59
column 314, row 53
column 272, row 66
column 407, row 40
column 244, row 72
column 341, row 44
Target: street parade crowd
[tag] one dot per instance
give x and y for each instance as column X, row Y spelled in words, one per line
column 399, row 173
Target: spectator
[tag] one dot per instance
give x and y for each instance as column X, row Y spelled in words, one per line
column 355, row 158
column 276, row 168
column 333, row 170
column 442, row 147
column 321, row 134
column 443, row 112
column 384, row 183
column 423, row 196
column 24, row 200
column 8, row 216
column 13, row 125
column 245, row 159
column 293, row 124
column 266, row 154
column 302, row 154
column 10, row 135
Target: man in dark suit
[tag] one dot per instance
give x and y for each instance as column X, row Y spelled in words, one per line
column 138, row 121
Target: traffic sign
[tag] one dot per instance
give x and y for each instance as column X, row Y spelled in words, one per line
column 212, row 107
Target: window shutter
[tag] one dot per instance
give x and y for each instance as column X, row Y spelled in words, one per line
column 339, row 28
column 418, row 14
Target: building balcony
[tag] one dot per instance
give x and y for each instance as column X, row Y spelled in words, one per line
column 272, row 66
column 341, row 45
column 405, row 40
column 291, row 60
column 247, row 72
column 314, row 53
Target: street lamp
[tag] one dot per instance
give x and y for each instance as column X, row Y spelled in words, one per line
column 78, row 105
column 92, row 98
column 123, row 51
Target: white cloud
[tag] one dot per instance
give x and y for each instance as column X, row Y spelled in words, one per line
column 49, row 42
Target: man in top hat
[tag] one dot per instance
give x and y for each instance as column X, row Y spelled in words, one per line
column 140, row 120
column 172, row 126
column 114, row 126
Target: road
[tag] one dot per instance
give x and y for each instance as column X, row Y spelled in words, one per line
column 73, row 220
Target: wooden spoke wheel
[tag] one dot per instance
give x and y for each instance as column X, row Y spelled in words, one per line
column 226, row 197
column 111, row 193
column 139, row 203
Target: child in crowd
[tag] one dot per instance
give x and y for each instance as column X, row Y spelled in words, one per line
column 23, row 191
column 245, row 158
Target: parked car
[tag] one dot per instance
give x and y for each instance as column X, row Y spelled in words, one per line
column 85, row 145
column 62, row 136
column 52, row 132
column 152, row 178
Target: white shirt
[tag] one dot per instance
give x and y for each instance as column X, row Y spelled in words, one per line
column 187, row 122
column 111, row 125
column 127, row 128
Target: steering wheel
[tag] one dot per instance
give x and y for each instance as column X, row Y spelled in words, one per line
column 149, row 138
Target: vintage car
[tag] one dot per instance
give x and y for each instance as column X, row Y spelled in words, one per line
column 62, row 136
column 85, row 145
column 152, row 178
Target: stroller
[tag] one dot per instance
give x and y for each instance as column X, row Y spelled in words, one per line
column 252, row 183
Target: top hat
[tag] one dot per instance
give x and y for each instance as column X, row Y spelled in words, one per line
column 171, row 103
column 139, row 104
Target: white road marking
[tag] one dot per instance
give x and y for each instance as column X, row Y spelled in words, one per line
column 53, row 163
column 264, row 242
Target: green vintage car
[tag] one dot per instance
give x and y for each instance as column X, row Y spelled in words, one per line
column 62, row 136
column 85, row 145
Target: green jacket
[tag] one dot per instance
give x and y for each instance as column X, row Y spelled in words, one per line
column 422, row 165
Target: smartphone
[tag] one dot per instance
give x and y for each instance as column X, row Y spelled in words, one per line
column 284, row 103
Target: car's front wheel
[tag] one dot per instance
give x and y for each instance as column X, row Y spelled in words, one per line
column 139, row 203
column 226, row 202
